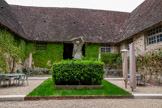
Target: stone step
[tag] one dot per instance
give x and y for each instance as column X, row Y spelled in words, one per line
column 12, row 97
column 147, row 96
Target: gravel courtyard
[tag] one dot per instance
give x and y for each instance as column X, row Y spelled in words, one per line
column 21, row 90
column 148, row 89
column 87, row 103
column 36, row 81
column 81, row 103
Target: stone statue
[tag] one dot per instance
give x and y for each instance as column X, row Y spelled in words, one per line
column 77, row 50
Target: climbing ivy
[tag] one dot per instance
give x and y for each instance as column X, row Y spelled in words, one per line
column 2, row 61
column 112, row 61
column 9, row 45
column 45, row 58
column 40, row 58
column 91, row 51
column 30, row 48
column 55, row 52
column 22, row 47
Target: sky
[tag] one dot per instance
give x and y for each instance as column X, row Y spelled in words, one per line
column 114, row 5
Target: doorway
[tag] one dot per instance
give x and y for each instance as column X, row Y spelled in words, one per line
column 68, row 51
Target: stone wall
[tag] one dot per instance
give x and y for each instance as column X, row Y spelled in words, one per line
column 139, row 44
column 142, row 48
column 114, row 49
column 150, row 76
column 153, row 47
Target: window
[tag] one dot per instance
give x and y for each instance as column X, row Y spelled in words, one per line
column 154, row 35
column 105, row 48
column 41, row 47
column 159, row 38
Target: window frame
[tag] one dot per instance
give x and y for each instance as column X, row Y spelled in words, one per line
column 154, row 37
column 41, row 46
column 105, row 47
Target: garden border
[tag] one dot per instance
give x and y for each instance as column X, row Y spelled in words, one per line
column 78, row 86
column 37, row 98
column 77, row 97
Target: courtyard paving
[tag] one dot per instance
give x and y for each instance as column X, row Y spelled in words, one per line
column 36, row 81
column 148, row 89
column 22, row 90
column 81, row 103
column 85, row 103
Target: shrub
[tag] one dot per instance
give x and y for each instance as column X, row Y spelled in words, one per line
column 77, row 72
column 112, row 60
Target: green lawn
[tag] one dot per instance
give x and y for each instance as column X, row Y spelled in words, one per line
column 47, row 89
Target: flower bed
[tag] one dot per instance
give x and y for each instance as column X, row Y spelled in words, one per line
column 150, row 65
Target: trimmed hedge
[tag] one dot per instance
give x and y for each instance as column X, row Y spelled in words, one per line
column 77, row 72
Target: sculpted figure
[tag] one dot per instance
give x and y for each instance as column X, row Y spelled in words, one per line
column 77, row 50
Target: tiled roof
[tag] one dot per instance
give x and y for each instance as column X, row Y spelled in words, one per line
column 144, row 16
column 8, row 19
column 63, row 24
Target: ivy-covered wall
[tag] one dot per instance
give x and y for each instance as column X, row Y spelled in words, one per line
column 112, row 61
column 92, row 51
column 17, row 48
column 11, row 50
column 45, row 58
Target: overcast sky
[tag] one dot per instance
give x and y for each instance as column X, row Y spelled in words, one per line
column 116, row 5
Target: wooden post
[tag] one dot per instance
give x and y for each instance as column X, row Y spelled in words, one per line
column 30, row 60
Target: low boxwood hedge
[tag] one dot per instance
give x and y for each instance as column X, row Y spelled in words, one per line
column 78, row 72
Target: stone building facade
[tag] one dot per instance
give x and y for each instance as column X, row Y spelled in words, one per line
column 146, row 44
column 141, row 41
column 111, row 30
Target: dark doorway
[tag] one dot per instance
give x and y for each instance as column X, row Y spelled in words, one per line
column 68, row 51
column 83, row 50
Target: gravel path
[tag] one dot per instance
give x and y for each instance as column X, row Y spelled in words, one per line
column 81, row 103
column 148, row 89
column 36, row 81
column 87, row 103
column 20, row 90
